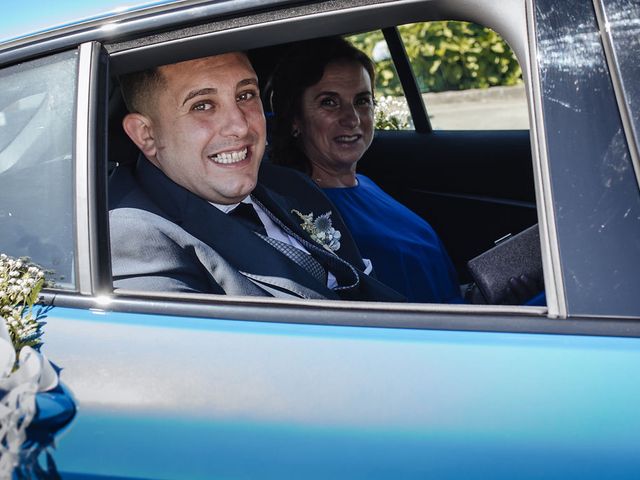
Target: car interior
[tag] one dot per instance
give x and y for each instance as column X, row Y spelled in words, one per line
column 473, row 186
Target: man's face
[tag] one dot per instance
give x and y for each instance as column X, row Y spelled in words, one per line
column 208, row 128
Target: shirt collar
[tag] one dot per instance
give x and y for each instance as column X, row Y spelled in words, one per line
column 227, row 208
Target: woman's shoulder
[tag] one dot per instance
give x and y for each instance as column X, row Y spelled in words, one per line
column 383, row 202
column 364, row 181
column 288, row 182
column 368, row 187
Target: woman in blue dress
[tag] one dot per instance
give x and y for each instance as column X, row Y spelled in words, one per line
column 323, row 102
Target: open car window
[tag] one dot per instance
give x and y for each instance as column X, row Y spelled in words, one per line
column 468, row 77
column 482, row 214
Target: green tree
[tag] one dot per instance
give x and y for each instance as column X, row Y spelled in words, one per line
column 446, row 55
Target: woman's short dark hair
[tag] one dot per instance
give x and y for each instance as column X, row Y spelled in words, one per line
column 301, row 67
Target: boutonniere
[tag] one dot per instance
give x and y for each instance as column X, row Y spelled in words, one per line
column 321, row 230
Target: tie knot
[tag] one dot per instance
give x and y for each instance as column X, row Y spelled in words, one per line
column 246, row 214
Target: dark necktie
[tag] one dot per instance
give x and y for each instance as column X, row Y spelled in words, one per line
column 300, row 257
column 246, row 214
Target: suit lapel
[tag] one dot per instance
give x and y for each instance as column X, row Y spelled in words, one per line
column 308, row 198
column 281, row 209
column 251, row 255
column 237, row 244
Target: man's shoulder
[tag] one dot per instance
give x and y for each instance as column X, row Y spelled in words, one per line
column 136, row 228
column 279, row 177
column 126, row 192
column 291, row 184
column 122, row 186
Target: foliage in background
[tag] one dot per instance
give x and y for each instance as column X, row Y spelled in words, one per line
column 446, row 55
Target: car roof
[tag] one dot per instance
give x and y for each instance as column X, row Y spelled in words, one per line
column 33, row 17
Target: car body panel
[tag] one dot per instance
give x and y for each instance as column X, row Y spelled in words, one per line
column 180, row 397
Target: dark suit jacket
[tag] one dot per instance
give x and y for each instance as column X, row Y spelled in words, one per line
column 165, row 238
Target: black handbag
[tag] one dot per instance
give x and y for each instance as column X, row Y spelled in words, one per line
column 512, row 257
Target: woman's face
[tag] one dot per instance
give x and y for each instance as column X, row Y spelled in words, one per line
column 336, row 124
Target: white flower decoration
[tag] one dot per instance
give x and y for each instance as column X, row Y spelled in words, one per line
column 23, row 370
column 321, row 230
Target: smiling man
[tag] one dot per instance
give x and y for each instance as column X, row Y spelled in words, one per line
column 197, row 213
column 204, row 127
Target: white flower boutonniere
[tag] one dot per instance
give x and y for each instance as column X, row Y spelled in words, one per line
column 321, row 230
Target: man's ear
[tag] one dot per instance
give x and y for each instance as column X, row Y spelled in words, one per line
column 138, row 127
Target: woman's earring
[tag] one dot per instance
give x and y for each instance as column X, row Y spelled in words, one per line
column 295, row 133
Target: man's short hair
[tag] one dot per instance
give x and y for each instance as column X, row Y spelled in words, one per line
column 139, row 89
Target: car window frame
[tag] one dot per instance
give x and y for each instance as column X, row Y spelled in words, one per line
column 408, row 81
column 95, row 281
column 90, row 152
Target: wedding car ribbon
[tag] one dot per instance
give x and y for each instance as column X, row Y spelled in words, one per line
column 18, row 389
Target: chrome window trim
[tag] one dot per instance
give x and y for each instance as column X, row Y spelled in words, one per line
column 315, row 19
column 390, row 310
column 86, row 213
column 138, row 23
column 552, row 267
column 504, row 319
column 256, row 31
column 129, row 23
column 618, row 86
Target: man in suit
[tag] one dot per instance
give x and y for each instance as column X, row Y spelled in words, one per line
column 197, row 213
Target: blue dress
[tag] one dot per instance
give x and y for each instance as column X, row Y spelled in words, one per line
column 406, row 252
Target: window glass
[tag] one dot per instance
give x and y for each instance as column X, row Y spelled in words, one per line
column 37, row 101
column 392, row 112
column 595, row 192
column 623, row 17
